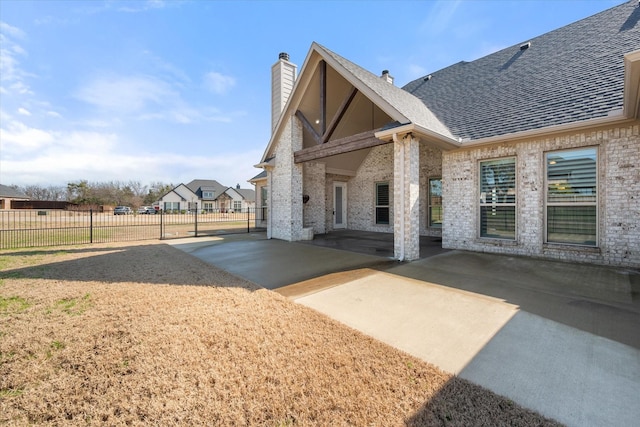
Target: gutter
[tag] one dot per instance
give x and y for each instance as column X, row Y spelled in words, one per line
column 614, row 117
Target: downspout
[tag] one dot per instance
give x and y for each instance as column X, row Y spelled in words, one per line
column 402, row 166
column 269, row 202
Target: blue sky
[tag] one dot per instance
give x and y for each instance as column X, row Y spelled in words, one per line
column 172, row 91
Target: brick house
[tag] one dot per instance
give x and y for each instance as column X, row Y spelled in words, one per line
column 533, row 150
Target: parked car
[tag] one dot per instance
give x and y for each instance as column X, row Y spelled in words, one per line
column 122, row 210
column 150, row 210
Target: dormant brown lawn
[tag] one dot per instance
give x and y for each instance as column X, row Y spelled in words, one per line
column 143, row 334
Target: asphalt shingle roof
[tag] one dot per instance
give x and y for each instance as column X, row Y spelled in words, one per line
column 208, row 184
column 6, row 191
column 570, row 74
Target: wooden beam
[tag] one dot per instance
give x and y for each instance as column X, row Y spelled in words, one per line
column 339, row 114
column 308, row 126
column 339, row 146
column 323, row 97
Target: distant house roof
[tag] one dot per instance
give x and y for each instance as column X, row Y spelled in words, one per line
column 12, row 193
column 570, row 74
column 262, row 175
column 246, row 193
column 197, row 185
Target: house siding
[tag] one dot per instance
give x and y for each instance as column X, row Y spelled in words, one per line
column 618, row 200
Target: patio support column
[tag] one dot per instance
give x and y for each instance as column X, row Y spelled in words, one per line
column 406, row 194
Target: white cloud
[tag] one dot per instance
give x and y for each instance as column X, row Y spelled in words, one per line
column 218, row 83
column 126, row 94
column 11, row 31
column 18, row 138
column 54, row 114
column 440, row 17
column 24, row 111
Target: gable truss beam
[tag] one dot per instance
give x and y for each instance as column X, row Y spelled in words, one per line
column 339, row 114
column 356, row 142
column 308, row 126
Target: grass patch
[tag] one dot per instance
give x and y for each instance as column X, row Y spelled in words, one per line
column 13, row 304
column 72, row 306
column 7, row 393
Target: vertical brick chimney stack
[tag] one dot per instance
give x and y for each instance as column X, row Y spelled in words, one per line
column 283, row 77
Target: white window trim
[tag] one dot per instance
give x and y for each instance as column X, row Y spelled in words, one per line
column 596, row 203
column 429, row 205
column 480, row 204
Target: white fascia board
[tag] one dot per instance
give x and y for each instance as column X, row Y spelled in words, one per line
column 631, row 106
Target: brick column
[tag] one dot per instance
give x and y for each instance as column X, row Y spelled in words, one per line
column 406, row 194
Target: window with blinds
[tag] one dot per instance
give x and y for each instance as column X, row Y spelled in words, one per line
column 382, row 203
column 572, row 196
column 498, row 198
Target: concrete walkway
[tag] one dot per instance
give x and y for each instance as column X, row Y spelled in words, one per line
column 562, row 339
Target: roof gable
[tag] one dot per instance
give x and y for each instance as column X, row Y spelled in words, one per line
column 401, row 106
column 206, row 184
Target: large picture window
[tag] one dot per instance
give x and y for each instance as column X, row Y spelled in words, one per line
column 498, row 199
column 571, row 196
column 435, row 202
column 382, row 203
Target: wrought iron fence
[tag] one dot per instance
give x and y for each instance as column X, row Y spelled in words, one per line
column 33, row 228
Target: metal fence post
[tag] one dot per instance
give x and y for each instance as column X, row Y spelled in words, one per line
column 90, row 225
column 248, row 218
column 195, row 217
column 161, row 211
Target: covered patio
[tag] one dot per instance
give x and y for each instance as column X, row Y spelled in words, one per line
column 372, row 243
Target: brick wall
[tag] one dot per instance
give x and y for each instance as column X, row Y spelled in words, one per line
column 618, row 195
column 286, row 185
column 314, row 187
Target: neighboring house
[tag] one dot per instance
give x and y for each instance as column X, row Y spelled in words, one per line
column 533, row 150
column 180, row 198
column 9, row 195
column 209, row 196
column 241, row 199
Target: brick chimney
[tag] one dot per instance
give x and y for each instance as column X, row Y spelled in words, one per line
column 283, row 76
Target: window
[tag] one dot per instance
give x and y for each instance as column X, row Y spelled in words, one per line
column 498, row 199
column 435, row 202
column 571, row 196
column 263, row 196
column 207, row 206
column 237, row 205
column 171, row 206
column 207, row 194
column 382, row 203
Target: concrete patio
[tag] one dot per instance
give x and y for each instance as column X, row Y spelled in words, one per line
column 562, row 339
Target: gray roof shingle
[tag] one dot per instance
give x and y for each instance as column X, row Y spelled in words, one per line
column 10, row 192
column 570, row 74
